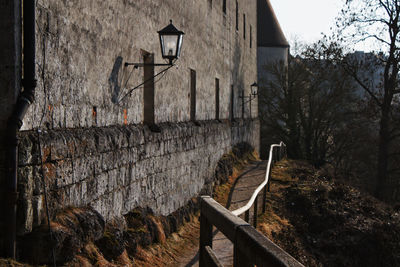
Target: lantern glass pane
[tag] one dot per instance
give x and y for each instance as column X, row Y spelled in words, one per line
column 170, row 43
column 179, row 46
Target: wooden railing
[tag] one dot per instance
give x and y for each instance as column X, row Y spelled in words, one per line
column 276, row 153
column 250, row 247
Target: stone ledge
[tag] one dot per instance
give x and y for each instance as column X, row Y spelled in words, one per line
column 115, row 169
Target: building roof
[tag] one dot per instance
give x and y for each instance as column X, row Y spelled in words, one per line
column 269, row 32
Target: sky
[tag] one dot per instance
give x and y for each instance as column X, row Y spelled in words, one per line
column 306, row 19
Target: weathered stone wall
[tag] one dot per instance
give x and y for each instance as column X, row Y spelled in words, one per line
column 82, row 47
column 96, row 151
column 115, row 169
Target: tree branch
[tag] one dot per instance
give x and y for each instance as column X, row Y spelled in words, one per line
column 372, row 21
column 386, row 7
column 375, row 37
column 354, row 75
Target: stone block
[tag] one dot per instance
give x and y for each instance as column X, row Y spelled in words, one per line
column 59, row 149
column 25, row 182
column 91, row 189
column 135, row 135
column 109, row 161
column 27, row 150
column 82, row 168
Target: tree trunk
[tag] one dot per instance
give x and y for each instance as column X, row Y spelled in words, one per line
column 383, row 152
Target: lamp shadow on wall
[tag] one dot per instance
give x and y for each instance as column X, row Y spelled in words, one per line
column 114, row 81
column 238, row 79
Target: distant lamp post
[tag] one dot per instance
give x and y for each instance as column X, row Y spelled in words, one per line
column 171, row 45
column 254, row 89
column 253, row 94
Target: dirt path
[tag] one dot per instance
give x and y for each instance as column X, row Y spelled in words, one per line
column 240, row 193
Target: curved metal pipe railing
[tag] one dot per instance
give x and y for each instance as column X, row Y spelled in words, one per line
column 245, row 208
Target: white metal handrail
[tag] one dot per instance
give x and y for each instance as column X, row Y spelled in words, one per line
column 243, row 209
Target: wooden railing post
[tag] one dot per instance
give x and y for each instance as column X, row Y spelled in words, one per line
column 256, row 249
column 255, row 212
column 264, row 202
column 269, row 175
column 210, row 258
column 250, row 246
column 247, row 216
column 205, row 239
column 280, row 153
column 239, row 258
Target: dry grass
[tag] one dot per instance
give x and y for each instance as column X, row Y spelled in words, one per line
column 169, row 253
column 221, row 192
column 180, row 244
column 166, row 253
column 12, row 263
column 270, row 222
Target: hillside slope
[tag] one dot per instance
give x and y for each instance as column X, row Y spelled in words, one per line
column 326, row 223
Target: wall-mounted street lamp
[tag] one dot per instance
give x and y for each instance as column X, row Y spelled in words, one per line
column 253, row 94
column 171, row 44
column 254, row 89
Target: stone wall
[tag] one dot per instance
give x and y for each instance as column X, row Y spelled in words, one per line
column 96, row 150
column 82, row 47
column 115, row 169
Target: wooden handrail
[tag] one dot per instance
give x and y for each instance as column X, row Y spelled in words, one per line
column 271, row 159
column 250, row 247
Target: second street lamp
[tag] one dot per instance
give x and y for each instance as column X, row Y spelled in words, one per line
column 254, row 89
column 253, row 94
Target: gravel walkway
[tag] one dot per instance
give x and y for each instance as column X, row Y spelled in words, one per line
column 252, row 176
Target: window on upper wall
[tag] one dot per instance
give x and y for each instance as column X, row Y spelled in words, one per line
column 224, row 6
column 237, row 15
column 232, row 106
column 244, row 26
column 192, row 95
column 242, row 97
column 148, row 89
column 251, row 37
column 210, row 4
column 216, row 98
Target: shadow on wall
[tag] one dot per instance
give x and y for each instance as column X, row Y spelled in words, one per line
column 113, row 80
column 238, row 80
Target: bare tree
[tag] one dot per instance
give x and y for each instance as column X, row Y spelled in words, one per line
column 377, row 21
column 309, row 106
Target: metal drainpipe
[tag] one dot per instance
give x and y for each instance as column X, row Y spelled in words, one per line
column 15, row 122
